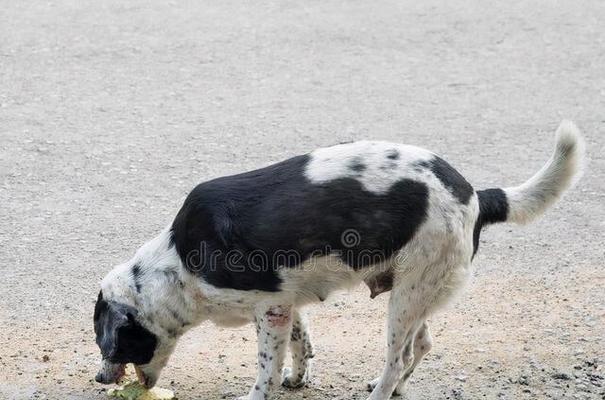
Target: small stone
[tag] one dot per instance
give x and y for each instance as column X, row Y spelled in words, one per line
column 461, row 378
column 561, row 376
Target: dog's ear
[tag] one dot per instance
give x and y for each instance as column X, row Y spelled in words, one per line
column 121, row 338
column 109, row 318
column 136, row 344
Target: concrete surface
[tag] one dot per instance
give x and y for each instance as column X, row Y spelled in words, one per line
column 111, row 111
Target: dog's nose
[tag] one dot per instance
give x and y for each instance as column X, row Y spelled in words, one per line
column 100, row 378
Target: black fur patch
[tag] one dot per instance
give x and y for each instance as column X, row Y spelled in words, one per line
column 393, row 154
column 493, row 207
column 357, row 165
column 450, row 178
column 171, row 240
column 119, row 335
column 136, row 275
column 237, row 231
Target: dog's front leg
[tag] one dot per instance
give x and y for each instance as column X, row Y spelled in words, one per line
column 273, row 326
column 302, row 352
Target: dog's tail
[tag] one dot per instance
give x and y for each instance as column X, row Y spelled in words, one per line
column 521, row 204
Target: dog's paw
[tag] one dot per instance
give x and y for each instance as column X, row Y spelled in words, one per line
column 291, row 381
column 373, row 383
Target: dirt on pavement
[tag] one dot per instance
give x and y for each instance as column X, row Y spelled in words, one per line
column 111, row 111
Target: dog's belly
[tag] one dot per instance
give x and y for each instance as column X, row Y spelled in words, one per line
column 229, row 321
column 319, row 277
column 229, row 316
column 308, row 283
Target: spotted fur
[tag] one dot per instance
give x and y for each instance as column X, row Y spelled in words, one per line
column 257, row 247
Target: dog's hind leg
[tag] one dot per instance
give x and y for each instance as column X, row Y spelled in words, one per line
column 302, row 352
column 423, row 342
column 422, row 345
column 406, row 316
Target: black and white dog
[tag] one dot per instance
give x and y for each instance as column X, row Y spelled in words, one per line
column 258, row 246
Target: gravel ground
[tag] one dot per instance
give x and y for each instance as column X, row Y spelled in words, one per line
column 111, row 111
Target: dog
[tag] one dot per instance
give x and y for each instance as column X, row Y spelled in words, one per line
column 258, row 246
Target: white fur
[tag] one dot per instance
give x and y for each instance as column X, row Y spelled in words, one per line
column 302, row 351
column 333, row 163
column 423, row 342
column 428, row 270
column 564, row 167
column 273, row 325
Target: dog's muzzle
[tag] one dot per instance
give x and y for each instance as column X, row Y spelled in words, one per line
column 110, row 372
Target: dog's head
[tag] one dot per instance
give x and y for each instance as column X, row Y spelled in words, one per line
column 122, row 339
column 134, row 319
